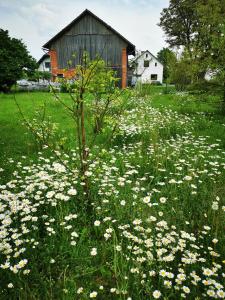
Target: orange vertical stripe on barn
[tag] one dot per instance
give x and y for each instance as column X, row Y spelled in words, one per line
column 54, row 62
column 67, row 73
column 124, row 68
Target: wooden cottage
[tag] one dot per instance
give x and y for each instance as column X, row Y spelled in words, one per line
column 88, row 33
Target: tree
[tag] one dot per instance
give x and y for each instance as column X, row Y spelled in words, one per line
column 14, row 61
column 168, row 58
column 182, row 72
column 193, row 24
column 199, row 27
column 179, row 21
column 210, row 41
column 94, row 85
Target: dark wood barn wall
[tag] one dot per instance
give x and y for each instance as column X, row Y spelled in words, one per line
column 92, row 36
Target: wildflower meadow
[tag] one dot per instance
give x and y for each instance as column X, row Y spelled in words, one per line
column 155, row 225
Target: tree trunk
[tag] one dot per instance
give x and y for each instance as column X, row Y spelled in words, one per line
column 84, row 157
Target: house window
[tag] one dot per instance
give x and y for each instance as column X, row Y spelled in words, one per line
column 60, row 75
column 146, row 63
column 146, row 55
column 154, row 76
column 47, row 65
column 155, row 64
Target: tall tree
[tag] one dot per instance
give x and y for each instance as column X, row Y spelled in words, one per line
column 210, row 41
column 168, row 58
column 179, row 22
column 14, row 60
column 198, row 26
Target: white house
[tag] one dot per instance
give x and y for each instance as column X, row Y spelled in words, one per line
column 44, row 63
column 147, row 68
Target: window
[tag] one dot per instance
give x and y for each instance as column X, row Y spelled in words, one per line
column 47, row 64
column 60, row 75
column 146, row 55
column 154, row 76
column 146, row 63
column 155, row 64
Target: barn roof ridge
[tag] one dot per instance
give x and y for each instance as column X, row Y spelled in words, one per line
column 85, row 12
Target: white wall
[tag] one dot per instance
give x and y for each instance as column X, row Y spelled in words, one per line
column 155, row 67
column 42, row 67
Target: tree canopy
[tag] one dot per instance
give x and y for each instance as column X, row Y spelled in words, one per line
column 14, row 60
column 199, row 27
column 168, row 58
column 179, row 22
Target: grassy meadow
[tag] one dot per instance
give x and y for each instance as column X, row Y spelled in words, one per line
column 157, row 192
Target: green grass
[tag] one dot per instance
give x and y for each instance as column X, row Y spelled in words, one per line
column 157, row 186
column 213, row 123
column 13, row 133
column 15, row 140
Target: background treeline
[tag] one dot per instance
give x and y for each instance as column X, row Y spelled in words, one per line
column 195, row 31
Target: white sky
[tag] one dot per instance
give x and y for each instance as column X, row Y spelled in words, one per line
column 36, row 21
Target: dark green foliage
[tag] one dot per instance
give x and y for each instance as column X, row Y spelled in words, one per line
column 39, row 75
column 199, row 27
column 211, row 44
column 46, row 75
column 14, row 61
column 181, row 74
column 179, row 22
column 168, row 58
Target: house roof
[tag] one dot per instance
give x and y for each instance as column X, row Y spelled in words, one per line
column 143, row 52
column 44, row 56
column 130, row 47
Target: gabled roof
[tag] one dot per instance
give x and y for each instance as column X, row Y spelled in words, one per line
column 130, row 47
column 147, row 51
column 44, row 56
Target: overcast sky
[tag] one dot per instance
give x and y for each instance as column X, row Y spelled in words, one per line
column 36, row 21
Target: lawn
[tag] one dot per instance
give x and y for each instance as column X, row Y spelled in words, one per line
column 15, row 139
column 155, row 229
